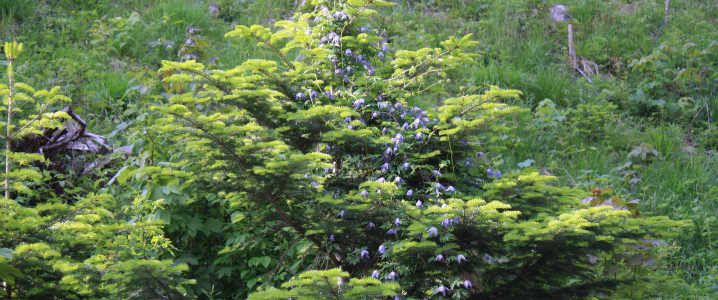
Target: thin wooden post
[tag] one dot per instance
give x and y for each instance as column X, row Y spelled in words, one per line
column 571, row 49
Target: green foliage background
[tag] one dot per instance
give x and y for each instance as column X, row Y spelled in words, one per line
column 657, row 90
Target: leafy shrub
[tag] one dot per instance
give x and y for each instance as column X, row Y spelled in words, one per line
column 96, row 247
column 324, row 151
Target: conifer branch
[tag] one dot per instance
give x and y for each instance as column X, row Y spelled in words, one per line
column 284, row 59
column 228, row 92
column 57, row 221
column 476, row 105
column 218, row 140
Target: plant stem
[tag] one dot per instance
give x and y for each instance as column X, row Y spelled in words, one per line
column 8, row 139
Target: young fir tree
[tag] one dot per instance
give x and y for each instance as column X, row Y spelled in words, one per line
column 94, row 248
column 326, row 149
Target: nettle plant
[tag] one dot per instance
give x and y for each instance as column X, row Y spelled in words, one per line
column 393, row 201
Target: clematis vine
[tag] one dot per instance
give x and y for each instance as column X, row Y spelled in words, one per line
column 392, row 276
column 467, row 284
column 374, row 274
column 433, row 231
column 359, row 103
column 446, row 222
column 442, row 289
column 461, row 257
column 363, row 253
column 382, row 249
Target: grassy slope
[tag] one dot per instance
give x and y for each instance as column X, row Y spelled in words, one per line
column 518, row 51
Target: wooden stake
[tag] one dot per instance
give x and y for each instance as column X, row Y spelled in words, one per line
column 571, row 50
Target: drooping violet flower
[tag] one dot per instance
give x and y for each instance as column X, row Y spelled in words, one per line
column 371, row 225
column 350, row 127
column 398, row 105
column 331, row 237
column 407, row 165
column 300, row 95
column 378, row 191
column 399, row 137
column 397, row 222
column 433, row 231
column 410, row 192
column 442, row 289
column 498, row 174
column 388, row 150
column 380, row 55
column 359, row 103
column 391, row 231
column 382, row 249
column 385, row 48
column 392, row 276
column 446, row 222
column 381, row 180
column 341, row 214
column 487, row 256
column 467, row 284
column 364, row 252
column 460, row 257
column 385, row 167
column 439, row 257
column 405, row 126
column 479, row 154
column 437, row 172
column 468, row 162
column 490, row 172
column 450, row 189
column 374, row 274
column 364, row 194
column 315, row 184
column 419, row 203
column 363, row 29
column 440, row 186
column 398, row 180
column 348, row 52
column 418, row 136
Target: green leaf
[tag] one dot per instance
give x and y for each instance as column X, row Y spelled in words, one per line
column 213, row 225
column 6, row 252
